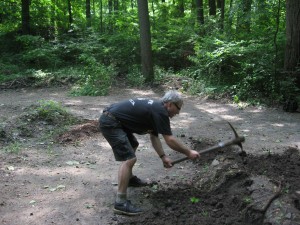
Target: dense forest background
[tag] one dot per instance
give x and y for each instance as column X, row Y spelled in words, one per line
column 247, row 50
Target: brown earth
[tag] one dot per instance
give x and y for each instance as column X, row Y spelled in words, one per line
column 72, row 178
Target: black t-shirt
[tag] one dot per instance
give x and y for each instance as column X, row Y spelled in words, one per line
column 142, row 116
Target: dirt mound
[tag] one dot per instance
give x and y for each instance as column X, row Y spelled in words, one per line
column 228, row 191
column 79, row 132
column 49, row 123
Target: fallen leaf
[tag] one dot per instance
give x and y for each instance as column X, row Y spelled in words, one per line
column 57, row 188
column 10, row 168
column 72, row 162
column 88, row 206
column 61, row 187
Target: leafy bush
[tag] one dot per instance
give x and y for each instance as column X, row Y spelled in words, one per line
column 172, row 47
column 121, row 50
column 30, row 42
column 96, row 78
column 7, row 70
column 135, row 76
column 14, row 147
column 242, row 67
column 51, row 111
column 41, row 58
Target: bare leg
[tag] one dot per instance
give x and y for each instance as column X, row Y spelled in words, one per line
column 125, row 173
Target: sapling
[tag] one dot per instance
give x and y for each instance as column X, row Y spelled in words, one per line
column 194, row 200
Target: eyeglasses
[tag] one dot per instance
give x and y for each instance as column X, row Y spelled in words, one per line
column 179, row 108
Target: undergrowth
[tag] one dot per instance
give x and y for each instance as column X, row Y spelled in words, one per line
column 211, row 65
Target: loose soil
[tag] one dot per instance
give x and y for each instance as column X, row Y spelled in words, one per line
column 72, row 178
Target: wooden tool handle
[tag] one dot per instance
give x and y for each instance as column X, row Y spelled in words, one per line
column 220, row 145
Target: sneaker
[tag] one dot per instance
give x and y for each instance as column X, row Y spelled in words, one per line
column 137, row 182
column 127, row 208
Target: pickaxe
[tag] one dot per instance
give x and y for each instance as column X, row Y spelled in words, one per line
column 236, row 141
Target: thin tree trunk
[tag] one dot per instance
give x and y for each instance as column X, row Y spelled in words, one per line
column 221, row 6
column 145, row 40
column 70, row 13
column 88, row 13
column 110, row 15
column 212, row 7
column 53, row 18
column 199, row 10
column 230, row 19
column 292, row 49
column 101, row 16
column 25, row 17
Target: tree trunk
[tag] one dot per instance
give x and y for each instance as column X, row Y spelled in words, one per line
column 212, row 7
column 101, row 17
column 70, row 13
column 25, row 17
column 292, row 49
column 145, row 40
column 230, row 17
column 199, row 10
column 110, row 16
column 88, row 13
column 116, row 5
column 221, row 7
column 53, row 27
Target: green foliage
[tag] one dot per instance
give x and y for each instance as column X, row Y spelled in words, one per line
column 50, row 111
column 162, row 75
column 8, row 70
column 242, row 68
column 247, row 200
column 120, row 50
column 37, row 53
column 194, row 200
column 173, row 46
column 209, row 59
column 14, row 147
column 135, row 76
column 30, row 42
column 96, row 78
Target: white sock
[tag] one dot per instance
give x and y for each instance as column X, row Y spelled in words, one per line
column 121, row 197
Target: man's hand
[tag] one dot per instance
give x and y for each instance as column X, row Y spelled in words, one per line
column 193, row 154
column 167, row 162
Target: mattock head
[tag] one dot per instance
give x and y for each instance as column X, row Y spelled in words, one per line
column 242, row 153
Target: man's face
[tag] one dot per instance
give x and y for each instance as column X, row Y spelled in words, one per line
column 173, row 108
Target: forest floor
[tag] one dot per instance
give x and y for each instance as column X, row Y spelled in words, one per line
column 72, row 179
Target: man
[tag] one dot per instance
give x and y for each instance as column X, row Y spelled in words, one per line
column 119, row 121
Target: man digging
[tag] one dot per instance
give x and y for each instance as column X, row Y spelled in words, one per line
column 119, row 121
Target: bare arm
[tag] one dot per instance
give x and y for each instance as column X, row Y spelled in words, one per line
column 156, row 143
column 173, row 143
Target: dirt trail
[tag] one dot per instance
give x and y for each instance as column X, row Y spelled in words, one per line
column 50, row 183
